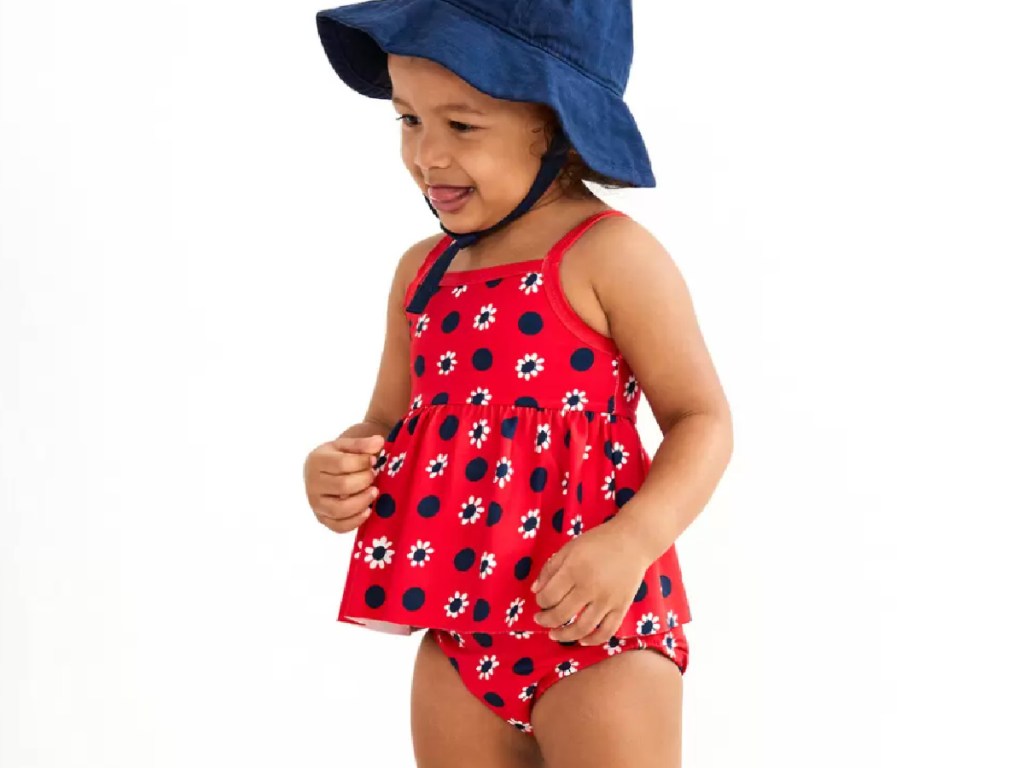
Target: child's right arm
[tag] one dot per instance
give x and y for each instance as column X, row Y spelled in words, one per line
column 338, row 474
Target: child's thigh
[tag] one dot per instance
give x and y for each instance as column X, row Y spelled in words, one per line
column 628, row 705
column 453, row 729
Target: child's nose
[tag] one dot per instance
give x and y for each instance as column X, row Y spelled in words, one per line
column 431, row 151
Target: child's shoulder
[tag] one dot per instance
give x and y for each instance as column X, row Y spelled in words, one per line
column 414, row 259
column 615, row 244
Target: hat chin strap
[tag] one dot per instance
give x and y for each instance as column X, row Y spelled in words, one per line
column 550, row 165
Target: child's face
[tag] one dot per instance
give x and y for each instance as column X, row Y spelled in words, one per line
column 454, row 135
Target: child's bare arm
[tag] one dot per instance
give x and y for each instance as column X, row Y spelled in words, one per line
column 652, row 320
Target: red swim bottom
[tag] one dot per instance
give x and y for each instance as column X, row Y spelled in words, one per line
column 509, row 672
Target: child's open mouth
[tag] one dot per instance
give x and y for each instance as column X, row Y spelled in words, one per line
column 449, row 199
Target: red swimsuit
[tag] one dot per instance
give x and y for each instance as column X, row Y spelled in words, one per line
column 521, row 434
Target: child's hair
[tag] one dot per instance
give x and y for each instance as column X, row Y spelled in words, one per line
column 576, row 169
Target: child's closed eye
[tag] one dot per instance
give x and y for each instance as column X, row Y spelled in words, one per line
column 411, row 121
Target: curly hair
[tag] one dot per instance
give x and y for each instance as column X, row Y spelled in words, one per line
column 576, row 170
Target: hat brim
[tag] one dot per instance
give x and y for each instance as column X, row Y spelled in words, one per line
column 357, row 39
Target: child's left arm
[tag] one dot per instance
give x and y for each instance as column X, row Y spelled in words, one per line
column 652, row 321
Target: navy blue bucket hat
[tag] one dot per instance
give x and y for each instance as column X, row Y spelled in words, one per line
column 573, row 55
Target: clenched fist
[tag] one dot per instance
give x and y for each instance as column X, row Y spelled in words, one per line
column 339, row 481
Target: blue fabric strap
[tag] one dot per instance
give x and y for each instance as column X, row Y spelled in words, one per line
column 551, row 164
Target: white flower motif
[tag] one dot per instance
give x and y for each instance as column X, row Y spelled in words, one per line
column 357, row 550
column 631, row 389
column 531, row 282
column 520, row 725
column 458, row 290
column 487, row 666
column 576, row 526
column 586, row 452
column 458, row 639
column 380, row 553
column 380, row 462
column 671, row 620
column 609, row 485
column 565, row 483
column 669, row 644
column 485, row 317
column 488, row 562
column 417, row 402
column 531, row 522
column 613, row 646
column 514, row 611
column 396, row 464
column 522, row 635
column 420, row 553
column 574, row 400
column 529, row 366
column 456, row 604
column 647, row 624
column 567, row 667
column 421, row 324
column 447, row 363
column 543, row 437
column 528, row 691
column 437, row 465
column 478, row 434
column 479, row 396
column 502, row 477
column 471, row 510
column 619, row 455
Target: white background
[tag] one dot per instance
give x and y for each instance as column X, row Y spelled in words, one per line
column 198, row 227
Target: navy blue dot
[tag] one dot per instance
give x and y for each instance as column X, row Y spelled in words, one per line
column 556, row 520
column 412, row 423
column 524, row 666
column 527, row 402
column 450, row 322
column 493, row 513
column 530, row 323
column 483, row 359
column 666, row 586
column 641, row 593
column 420, row 365
column 494, row 283
column 611, row 404
column 622, row 495
column 375, row 596
column 465, row 559
column 522, row 568
column 538, row 479
column 582, row 359
column 494, row 699
column 476, row 469
column 589, row 415
column 568, row 436
column 429, row 506
column 413, row 599
column 449, row 427
column 481, row 610
column 441, row 398
column 484, row 640
column 385, row 505
column 395, row 430
column 455, row 662
column 508, row 426
column 579, row 491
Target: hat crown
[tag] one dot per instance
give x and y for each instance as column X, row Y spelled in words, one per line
column 594, row 36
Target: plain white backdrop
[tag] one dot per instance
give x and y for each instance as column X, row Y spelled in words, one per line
column 198, row 227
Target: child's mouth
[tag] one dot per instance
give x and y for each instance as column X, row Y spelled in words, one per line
column 448, row 199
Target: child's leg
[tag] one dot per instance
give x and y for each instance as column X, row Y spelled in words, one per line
column 453, row 729
column 629, row 706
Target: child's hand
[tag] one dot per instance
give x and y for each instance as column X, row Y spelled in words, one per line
column 339, row 477
column 597, row 573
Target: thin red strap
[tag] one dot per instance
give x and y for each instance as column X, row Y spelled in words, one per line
column 558, row 250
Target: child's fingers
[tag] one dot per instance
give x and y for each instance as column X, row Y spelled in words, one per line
column 567, row 608
column 339, row 514
column 369, row 444
column 583, row 626
column 607, row 627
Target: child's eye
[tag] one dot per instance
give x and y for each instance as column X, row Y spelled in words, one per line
column 461, row 127
column 406, row 119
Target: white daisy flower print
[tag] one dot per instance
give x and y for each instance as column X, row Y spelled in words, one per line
column 521, row 635
column 618, row 455
column 669, row 644
column 531, row 521
column 357, row 550
column 528, row 691
column 484, row 317
column 565, row 483
column 586, row 452
column 529, row 366
column 576, row 526
column 421, row 324
column 488, row 562
column 479, row 396
column 420, row 553
column 471, row 510
column 514, row 611
column 647, row 624
column 458, row 290
column 567, row 667
column 380, row 462
column 417, row 402
column 436, row 466
column 613, row 646
column 543, row 438
column 671, row 620
column 447, row 363
column 520, row 725
column 531, row 282
column 487, row 666
column 631, row 389
column 503, row 472
column 478, row 434
column 456, row 604
column 396, row 464
column 380, row 553
column 574, row 400
column 458, row 639
column 609, row 486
